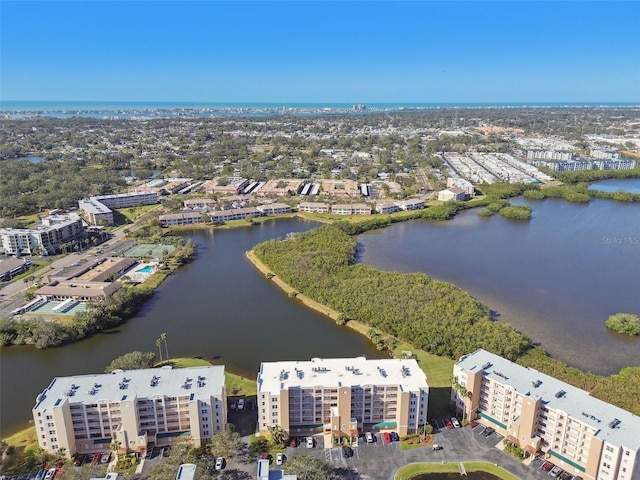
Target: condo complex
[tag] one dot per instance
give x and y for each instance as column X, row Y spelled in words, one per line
column 586, row 436
column 342, row 398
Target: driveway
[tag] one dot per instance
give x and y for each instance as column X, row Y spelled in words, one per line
column 380, row 460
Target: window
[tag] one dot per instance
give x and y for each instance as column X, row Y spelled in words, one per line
column 204, row 410
column 206, row 433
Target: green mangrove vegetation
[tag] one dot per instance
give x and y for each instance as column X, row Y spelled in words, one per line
column 431, row 315
column 624, row 323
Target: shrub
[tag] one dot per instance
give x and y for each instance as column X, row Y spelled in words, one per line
column 624, row 323
column 517, row 212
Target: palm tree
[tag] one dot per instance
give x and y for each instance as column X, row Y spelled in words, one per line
column 163, row 337
column 159, row 345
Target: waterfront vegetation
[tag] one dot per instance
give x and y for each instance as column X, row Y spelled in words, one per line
column 410, row 471
column 427, row 314
column 434, row 316
column 627, row 323
column 43, row 333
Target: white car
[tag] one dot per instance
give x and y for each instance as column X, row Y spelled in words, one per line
column 219, row 463
column 280, row 458
column 241, row 404
column 50, row 474
column 369, row 437
column 455, row 422
column 309, row 442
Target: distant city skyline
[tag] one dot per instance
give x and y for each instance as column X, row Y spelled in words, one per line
column 316, row 52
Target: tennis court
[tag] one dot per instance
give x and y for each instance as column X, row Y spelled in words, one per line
column 149, row 250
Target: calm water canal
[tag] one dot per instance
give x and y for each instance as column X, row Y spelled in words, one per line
column 556, row 278
column 218, row 307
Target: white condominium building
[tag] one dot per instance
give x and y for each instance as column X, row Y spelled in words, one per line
column 584, row 436
column 342, row 396
column 44, row 239
column 155, row 406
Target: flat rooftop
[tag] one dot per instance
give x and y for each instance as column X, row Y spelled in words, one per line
column 559, row 395
column 341, row 372
column 198, row 382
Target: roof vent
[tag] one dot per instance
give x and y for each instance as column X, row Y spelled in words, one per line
column 536, row 384
column 561, row 394
column 614, row 423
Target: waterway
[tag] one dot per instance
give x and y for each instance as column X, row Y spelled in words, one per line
column 617, row 185
column 556, row 278
column 218, row 307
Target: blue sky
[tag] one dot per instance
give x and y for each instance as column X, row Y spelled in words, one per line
column 318, row 51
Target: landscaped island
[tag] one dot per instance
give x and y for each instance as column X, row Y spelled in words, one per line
column 624, row 323
column 434, row 316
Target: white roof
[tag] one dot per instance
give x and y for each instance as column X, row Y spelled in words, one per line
column 559, row 395
column 338, row 372
column 120, row 385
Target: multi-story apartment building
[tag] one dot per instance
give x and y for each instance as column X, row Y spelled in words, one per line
column 342, row 396
column 98, row 209
column 86, row 413
column 45, row 238
column 314, row 207
column 549, row 155
column 585, row 436
column 351, row 209
column 96, row 212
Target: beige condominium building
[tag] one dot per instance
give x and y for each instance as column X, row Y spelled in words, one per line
column 136, row 408
column 342, row 396
column 583, row 435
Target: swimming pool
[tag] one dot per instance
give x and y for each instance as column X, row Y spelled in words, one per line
column 145, row 269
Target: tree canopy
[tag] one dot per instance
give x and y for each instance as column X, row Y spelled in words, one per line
column 132, row 361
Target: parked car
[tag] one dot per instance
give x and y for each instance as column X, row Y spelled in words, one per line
column 241, row 404
column 40, row 475
column 265, row 456
column 309, row 442
column 555, row 471
column 280, row 458
column 394, row 437
column 79, row 460
column 50, row 474
column 386, row 437
column 473, row 424
column 546, row 466
column 219, row 463
column 106, row 456
column 488, row 431
column 347, row 452
column 96, row 458
column 369, row 437
column 293, row 443
column 449, row 425
column 455, row 422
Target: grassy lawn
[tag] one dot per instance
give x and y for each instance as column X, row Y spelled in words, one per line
column 238, row 385
column 408, row 471
column 155, row 280
column 24, row 446
column 134, row 213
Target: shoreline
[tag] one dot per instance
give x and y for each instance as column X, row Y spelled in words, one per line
column 438, row 369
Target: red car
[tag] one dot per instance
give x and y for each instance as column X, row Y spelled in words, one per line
column 449, row 425
column 546, row 466
column 96, row 458
column 386, row 437
column 473, row 424
column 293, row 443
